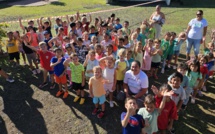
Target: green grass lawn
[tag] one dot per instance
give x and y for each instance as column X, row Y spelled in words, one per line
column 199, row 118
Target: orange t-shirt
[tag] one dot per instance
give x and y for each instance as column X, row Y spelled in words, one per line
column 98, row 86
column 34, row 39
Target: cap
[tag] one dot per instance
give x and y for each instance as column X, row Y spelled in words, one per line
column 68, row 45
column 45, row 32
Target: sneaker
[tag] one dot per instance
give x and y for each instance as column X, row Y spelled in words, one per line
column 59, row 93
column 43, row 85
column 38, row 71
column 211, row 77
column 76, row 99
column 24, row 63
column 183, row 107
column 193, row 100
column 95, row 111
column 172, row 131
column 204, row 88
column 53, row 86
column 82, row 101
column 65, row 95
column 162, row 70
column 34, row 71
column 156, row 77
column 174, row 67
column 101, row 114
column 10, row 80
column 111, row 104
column 200, row 93
column 169, row 66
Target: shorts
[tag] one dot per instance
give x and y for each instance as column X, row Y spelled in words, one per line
column 108, row 87
column 177, row 52
column 169, row 57
column 155, row 64
column 60, row 80
column 14, row 55
column 31, row 57
column 119, row 82
column 100, row 100
column 77, row 86
column 51, row 72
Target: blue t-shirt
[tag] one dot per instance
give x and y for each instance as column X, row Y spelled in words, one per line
column 130, row 61
column 210, row 64
column 135, row 124
column 59, row 68
column 177, row 45
column 47, row 44
column 117, row 26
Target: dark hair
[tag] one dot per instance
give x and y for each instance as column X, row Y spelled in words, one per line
column 210, row 55
column 72, row 24
column 80, row 39
column 121, row 39
column 112, row 15
column 173, row 33
column 165, row 86
column 125, row 37
column 149, row 99
column 129, row 98
column 98, row 46
column 137, row 62
column 200, row 11
column 126, row 22
column 182, row 66
column 195, row 63
column 177, row 75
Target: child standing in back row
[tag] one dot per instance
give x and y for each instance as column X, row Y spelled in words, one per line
column 165, row 43
column 97, row 91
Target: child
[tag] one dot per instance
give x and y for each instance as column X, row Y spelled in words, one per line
column 78, row 79
column 179, row 93
column 129, row 57
column 57, row 63
column 45, row 58
column 90, row 63
column 203, row 59
column 156, row 58
column 164, row 46
column 86, row 41
column 177, row 46
column 148, row 48
column 109, row 51
column 2, row 73
column 130, row 120
column 46, row 25
column 151, row 31
column 133, row 40
column 121, row 66
column 12, row 48
column 138, row 53
column 97, row 91
column 142, row 35
column 169, row 112
column 194, row 75
column 93, row 42
column 81, row 50
column 109, row 74
column 172, row 43
column 99, row 52
column 150, row 113
column 208, row 49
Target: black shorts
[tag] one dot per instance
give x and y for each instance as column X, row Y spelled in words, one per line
column 77, row 86
column 14, row 56
column 0, row 68
column 119, row 82
column 155, row 64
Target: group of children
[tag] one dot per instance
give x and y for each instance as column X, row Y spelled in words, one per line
column 99, row 54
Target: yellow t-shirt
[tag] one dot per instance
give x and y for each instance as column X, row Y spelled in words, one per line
column 121, row 66
column 98, row 86
column 12, row 46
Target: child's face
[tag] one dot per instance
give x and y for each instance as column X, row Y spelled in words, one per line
column 94, row 40
column 75, row 59
column 92, row 56
column 143, row 30
column 97, row 73
column 172, row 37
column 157, row 45
column 68, row 49
column 211, row 47
column 167, row 37
column 139, row 47
column 10, row 36
column 43, row 47
column 86, row 37
column 110, row 63
column 181, row 70
column 98, row 50
column 131, row 103
column 119, row 32
column 129, row 55
column 109, row 49
column 120, row 42
column 138, row 31
column 193, row 68
column 121, row 57
column 58, row 53
column 150, row 107
column 202, row 61
column 176, row 82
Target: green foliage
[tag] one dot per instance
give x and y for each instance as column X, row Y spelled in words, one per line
column 3, row 32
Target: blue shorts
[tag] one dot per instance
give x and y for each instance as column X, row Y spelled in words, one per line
column 176, row 52
column 100, row 100
column 51, row 72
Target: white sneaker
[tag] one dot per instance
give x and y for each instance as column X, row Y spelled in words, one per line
column 174, row 67
column 211, row 77
column 204, row 88
column 38, row 71
column 162, row 70
column 169, row 66
column 200, row 93
column 111, row 104
column 193, row 100
column 25, row 63
column 34, row 71
column 10, row 80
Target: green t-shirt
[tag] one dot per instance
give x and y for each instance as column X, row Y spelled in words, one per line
column 206, row 51
column 193, row 77
column 171, row 46
column 152, row 119
column 76, row 71
column 151, row 33
column 164, row 46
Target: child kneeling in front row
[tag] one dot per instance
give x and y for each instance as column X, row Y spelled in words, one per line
column 97, row 91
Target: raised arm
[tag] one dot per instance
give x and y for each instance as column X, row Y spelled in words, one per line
column 20, row 24
column 41, row 21
column 90, row 18
column 50, row 22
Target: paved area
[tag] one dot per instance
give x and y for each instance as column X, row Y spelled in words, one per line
column 31, row 2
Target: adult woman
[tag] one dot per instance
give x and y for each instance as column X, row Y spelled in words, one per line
column 157, row 18
column 136, row 83
column 196, row 32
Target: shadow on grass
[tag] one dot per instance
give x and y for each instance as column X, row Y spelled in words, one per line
column 18, row 103
column 3, row 129
column 58, row 3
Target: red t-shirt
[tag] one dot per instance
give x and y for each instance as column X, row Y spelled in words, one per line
column 65, row 30
column 169, row 112
column 204, row 70
column 45, row 58
column 86, row 26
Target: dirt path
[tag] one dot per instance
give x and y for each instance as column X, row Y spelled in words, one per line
column 31, row 2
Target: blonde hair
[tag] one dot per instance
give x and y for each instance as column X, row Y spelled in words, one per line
column 133, row 34
column 122, row 52
column 42, row 43
column 97, row 68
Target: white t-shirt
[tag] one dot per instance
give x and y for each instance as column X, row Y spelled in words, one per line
column 136, row 82
column 105, row 44
column 196, row 31
column 86, row 42
column 90, row 65
column 179, row 94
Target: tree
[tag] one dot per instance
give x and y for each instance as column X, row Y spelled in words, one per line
column 3, row 33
